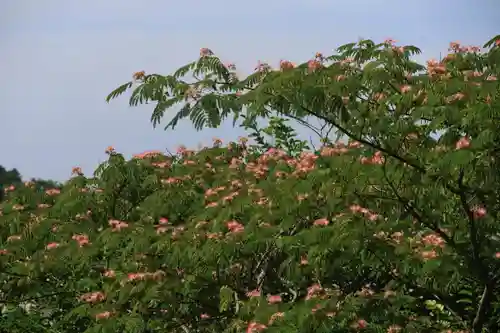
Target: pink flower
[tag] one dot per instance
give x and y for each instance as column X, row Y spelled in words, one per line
column 399, row 49
column 93, row 297
column 285, row 64
column 479, row 212
column 355, row 208
column 433, row 240
column 426, row 255
column 275, row 316
column 109, row 273
column 394, row 329
column 313, row 65
column 82, row 240
column 254, row 327
column 405, row 88
column 76, row 171
column 463, row 143
column 205, row 52
column 361, row 323
column 53, row 191
column 52, row 245
column 235, row 226
column 390, row 41
column 273, row 299
column 254, row 293
column 136, row 276
column 117, row 225
column 103, row 315
column 321, row 222
column 313, row 291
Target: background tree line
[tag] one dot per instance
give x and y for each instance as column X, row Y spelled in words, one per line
column 13, row 177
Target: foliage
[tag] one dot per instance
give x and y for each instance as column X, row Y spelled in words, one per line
column 12, row 178
column 395, row 230
column 8, row 177
column 282, row 136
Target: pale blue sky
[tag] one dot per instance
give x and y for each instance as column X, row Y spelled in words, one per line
column 59, row 59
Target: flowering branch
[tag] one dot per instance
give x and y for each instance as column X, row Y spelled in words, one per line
column 413, row 212
column 486, row 298
column 472, row 226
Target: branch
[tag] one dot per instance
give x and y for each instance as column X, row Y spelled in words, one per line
column 412, row 210
column 374, row 196
column 386, row 151
column 329, row 120
column 115, row 197
column 262, row 266
column 420, row 290
column 486, row 298
column 358, row 138
column 472, row 224
column 37, row 297
column 483, row 308
column 306, row 124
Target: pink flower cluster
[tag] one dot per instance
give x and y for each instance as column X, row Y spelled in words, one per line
column 93, row 297
column 372, row 216
column 117, row 225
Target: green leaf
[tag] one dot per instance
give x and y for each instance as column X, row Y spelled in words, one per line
column 226, row 295
column 118, row 91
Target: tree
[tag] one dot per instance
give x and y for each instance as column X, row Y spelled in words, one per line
column 42, row 184
column 7, row 178
column 374, row 94
column 394, row 230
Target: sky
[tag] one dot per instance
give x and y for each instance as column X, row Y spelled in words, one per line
column 59, row 60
